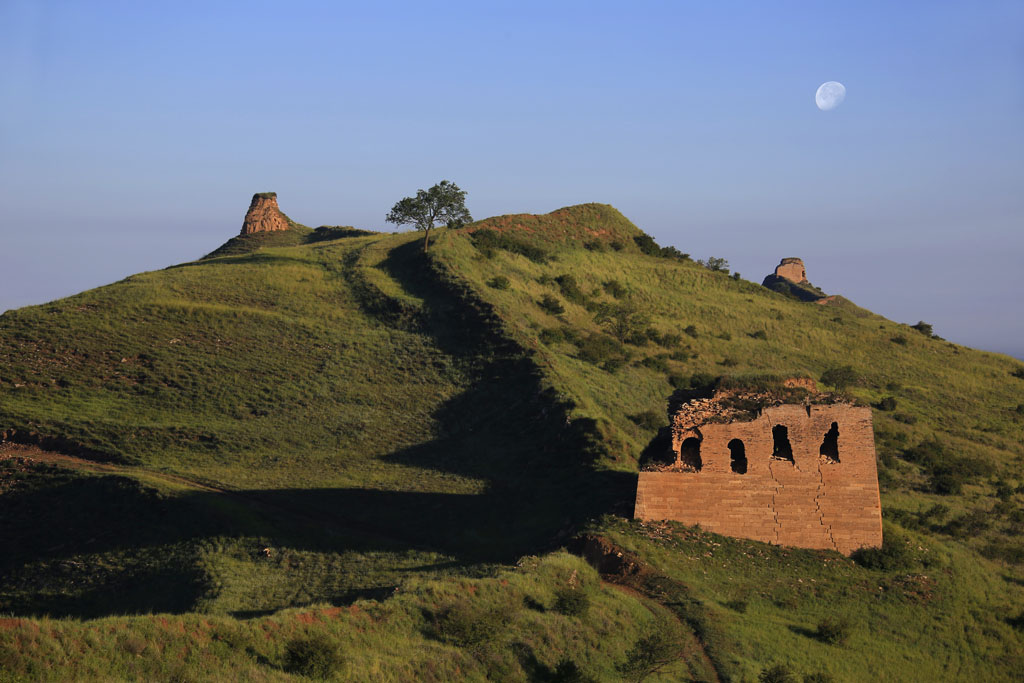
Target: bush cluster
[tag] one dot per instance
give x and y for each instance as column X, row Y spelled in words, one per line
column 551, row 305
column 840, row 377
column 648, row 246
column 572, row 601
column 947, row 473
column 487, row 241
column 888, row 403
column 571, row 290
column 465, row 625
column 833, row 630
column 499, row 282
column 923, row 327
column 892, row 556
column 614, row 288
column 602, row 350
column 314, row 656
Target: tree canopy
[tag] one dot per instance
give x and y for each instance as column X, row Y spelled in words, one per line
column 444, row 203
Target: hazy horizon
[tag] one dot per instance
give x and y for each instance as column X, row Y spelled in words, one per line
column 132, row 137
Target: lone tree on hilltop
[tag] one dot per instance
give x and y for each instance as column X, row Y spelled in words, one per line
column 443, row 203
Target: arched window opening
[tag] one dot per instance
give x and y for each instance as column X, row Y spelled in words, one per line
column 782, row 450
column 738, row 456
column 689, row 453
column 830, row 445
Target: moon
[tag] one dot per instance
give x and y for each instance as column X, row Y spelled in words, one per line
column 830, row 95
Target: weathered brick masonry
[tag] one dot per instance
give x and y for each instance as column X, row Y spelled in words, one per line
column 264, row 215
column 738, row 479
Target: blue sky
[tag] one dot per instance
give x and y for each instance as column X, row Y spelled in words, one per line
column 132, row 135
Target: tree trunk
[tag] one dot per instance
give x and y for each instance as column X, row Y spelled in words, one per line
column 426, row 240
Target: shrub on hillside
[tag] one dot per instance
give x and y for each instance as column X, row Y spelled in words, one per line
column 1018, row 373
column 647, row 244
column 487, row 241
column 759, row 334
column 314, row 656
column 551, row 305
column 968, row 525
column 923, row 327
column 668, row 340
column 840, row 377
column 703, row 381
column 947, row 472
column 673, row 253
column 892, row 556
column 899, row 339
column 602, row 350
column 691, row 330
column 716, row 264
column 572, row 601
column 614, row 288
column 648, row 420
column 568, row 671
column 624, row 321
column 657, row 363
column 833, row 630
column 571, row 289
column 888, row 404
column 552, row 335
column 499, row 282
column 779, row 673
column 652, row 653
column 467, row 625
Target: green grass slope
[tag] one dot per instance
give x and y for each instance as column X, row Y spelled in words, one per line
column 325, row 420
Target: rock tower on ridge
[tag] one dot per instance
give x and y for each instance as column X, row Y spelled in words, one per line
column 790, row 278
column 792, row 269
column 264, row 215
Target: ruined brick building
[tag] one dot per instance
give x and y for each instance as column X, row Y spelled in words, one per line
column 769, row 469
column 264, row 215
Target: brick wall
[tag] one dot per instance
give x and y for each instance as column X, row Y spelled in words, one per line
column 811, row 502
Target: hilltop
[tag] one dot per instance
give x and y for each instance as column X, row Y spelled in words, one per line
column 326, row 434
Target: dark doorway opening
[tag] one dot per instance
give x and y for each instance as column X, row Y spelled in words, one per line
column 783, row 450
column 689, row 453
column 738, row 456
column 830, row 445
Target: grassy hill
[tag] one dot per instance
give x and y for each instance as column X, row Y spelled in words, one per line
column 332, row 419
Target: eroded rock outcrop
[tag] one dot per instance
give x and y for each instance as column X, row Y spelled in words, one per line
column 264, row 215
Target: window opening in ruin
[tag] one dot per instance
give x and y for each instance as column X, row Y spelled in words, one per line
column 738, row 456
column 783, row 449
column 830, row 445
column 689, row 453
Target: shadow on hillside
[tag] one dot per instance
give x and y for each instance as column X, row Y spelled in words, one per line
column 505, row 429
column 89, row 546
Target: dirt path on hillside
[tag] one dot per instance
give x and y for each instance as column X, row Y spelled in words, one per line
column 71, row 462
column 647, row 601
column 305, row 517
